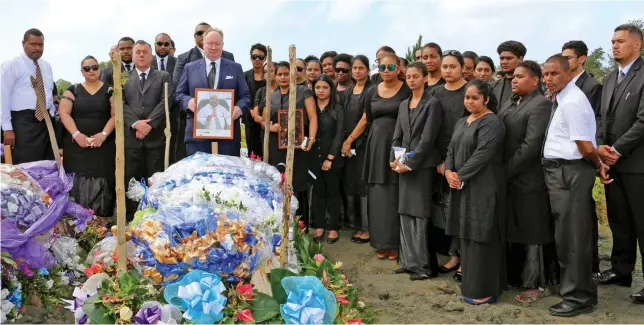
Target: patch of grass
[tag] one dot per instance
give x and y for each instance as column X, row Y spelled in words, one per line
column 600, row 201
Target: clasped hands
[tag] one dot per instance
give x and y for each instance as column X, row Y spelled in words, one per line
column 398, row 167
column 95, row 141
column 453, row 179
column 608, row 157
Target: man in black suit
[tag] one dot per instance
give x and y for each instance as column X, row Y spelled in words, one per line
column 194, row 54
column 621, row 139
column 530, row 229
column 577, row 53
column 144, row 116
column 511, row 53
column 255, row 80
column 164, row 62
column 125, row 46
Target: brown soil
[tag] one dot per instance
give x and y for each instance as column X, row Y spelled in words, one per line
column 396, row 299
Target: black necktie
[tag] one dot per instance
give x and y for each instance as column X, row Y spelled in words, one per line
column 142, row 80
column 552, row 113
column 127, row 67
column 211, row 75
column 162, row 65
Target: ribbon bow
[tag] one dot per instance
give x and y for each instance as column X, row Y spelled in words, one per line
column 198, row 294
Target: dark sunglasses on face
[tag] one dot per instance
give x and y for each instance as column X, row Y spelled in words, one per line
column 199, row 33
column 257, row 57
column 343, row 70
column 87, row 68
column 299, row 69
column 163, row 43
column 452, row 52
column 390, row 67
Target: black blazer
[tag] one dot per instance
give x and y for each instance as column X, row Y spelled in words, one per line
column 622, row 122
column 525, row 130
column 143, row 104
column 107, row 75
column 593, row 91
column 419, row 132
column 190, row 56
column 170, row 63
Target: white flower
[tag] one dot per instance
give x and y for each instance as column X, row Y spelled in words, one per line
column 49, row 284
column 360, row 304
column 125, row 313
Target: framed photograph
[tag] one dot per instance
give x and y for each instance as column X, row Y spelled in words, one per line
column 282, row 119
column 213, row 117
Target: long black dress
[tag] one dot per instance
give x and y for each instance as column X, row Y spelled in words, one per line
column 477, row 214
column 94, row 180
column 384, row 220
column 354, row 187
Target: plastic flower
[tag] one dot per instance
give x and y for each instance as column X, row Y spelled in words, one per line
column 198, row 294
column 307, row 302
column 337, row 266
column 318, row 258
column 245, row 316
column 342, row 299
column 356, row 321
column 301, row 223
column 125, row 313
column 245, row 291
column 361, row 304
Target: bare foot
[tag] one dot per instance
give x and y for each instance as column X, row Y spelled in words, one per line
column 333, row 234
column 453, row 261
column 358, row 234
column 365, row 235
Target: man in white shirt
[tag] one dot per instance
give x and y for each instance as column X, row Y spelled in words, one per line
column 569, row 156
column 214, row 115
column 23, row 127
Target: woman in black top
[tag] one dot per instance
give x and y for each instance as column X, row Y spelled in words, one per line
column 300, row 66
column 277, row 156
column 326, row 162
column 484, row 69
column 381, row 108
column 353, row 150
column 475, row 174
column 260, row 102
column 419, row 120
column 451, row 95
column 87, row 111
column 313, row 71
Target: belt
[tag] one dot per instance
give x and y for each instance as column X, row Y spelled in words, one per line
column 556, row 162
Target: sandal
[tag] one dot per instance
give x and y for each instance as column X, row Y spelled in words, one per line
column 382, row 254
column 393, row 254
column 532, row 295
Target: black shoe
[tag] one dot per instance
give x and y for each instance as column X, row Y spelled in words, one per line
column 363, row 241
column 458, row 276
column 567, row 309
column 612, row 277
column 418, row 276
column 443, row 269
column 330, row 240
column 355, row 239
column 401, row 271
column 638, row 297
column 433, row 274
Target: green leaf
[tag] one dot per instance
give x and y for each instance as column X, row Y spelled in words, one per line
column 264, row 307
column 96, row 312
column 276, row 277
column 325, row 265
column 227, row 320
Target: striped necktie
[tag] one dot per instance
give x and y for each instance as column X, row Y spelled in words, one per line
column 40, row 104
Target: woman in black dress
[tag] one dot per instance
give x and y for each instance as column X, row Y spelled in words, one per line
column 277, row 156
column 381, row 109
column 87, row 111
column 353, row 150
column 451, row 96
column 313, row 71
column 326, row 163
column 475, row 174
column 260, row 100
column 419, row 120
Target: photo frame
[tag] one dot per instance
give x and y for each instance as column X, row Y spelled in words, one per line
column 213, row 118
column 282, row 119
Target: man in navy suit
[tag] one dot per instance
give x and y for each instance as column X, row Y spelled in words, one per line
column 216, row 72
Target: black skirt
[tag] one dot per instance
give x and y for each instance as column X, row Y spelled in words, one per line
column 483, row 265
column 384, row 220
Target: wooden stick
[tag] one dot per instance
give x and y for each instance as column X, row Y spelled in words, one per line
column 120, row 166
column 290, row 155
column 167, row 132
column 267, row 107
column 215, row 147
column 8, row 158
column 40, row 98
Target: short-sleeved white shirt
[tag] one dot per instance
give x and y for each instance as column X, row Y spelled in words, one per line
column 573, row 120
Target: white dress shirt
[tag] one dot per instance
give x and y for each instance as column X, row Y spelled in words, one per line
column 217, row 65
column 573, row 120
column 131, row 66
column 219, row 117
column 147, row 76
column 574, row 80
column 16, row 92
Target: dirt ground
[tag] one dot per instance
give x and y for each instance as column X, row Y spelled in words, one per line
column 396, row 299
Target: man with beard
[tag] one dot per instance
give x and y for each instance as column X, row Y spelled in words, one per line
column 511, row 53
column 162, row 60
column 125, row 46
column 23, row 124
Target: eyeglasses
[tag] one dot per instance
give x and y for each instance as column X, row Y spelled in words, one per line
column 390, row 67
column 89, row 68
column 452, row 52
column 343, row 70
column 163, row 43
column 258, row 57
column 299, row 69
column 199, row 33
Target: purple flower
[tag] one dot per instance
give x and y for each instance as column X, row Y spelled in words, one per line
column 150, row 315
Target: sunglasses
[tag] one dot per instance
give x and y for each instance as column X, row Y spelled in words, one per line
column 390, row 67
column 163, row 43
column 343, row 70
column 299, row 69
column 199, row 33
column 452, row 52
column 89, row 68
column 258, row 57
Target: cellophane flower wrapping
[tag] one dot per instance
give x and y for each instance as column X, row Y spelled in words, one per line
column 22, row 199
column 219, row 214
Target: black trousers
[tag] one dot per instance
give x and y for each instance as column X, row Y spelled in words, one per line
column 254, row 142
column 174, row 130
column 593, row 213
column 141, row 163
column 570, row 188
column 626, row 219
column 180, row 145
column 355, row 212
column 414, row 242
column 32, row 138
column 326, row 198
